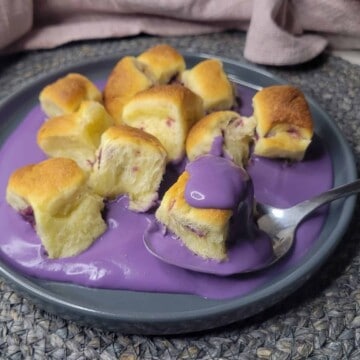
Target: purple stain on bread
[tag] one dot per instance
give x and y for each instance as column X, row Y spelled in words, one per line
column 170, row 122
column 199, row 233
column 28, row 215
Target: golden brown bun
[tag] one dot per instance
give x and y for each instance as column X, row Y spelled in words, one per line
column 65, row 95
column 128, row 77
column 284, row 122
column 203, row 231
column 163, row 61
column 208, row 80
column 67, row 215
column 75, row 136
column 129, row 161
column 167, row 112
column 236, row 132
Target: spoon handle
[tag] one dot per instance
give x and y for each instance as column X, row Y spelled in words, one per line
column 308, row 206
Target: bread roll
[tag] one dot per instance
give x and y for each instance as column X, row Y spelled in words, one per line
column 75, row 136
column 167, row 112
column 129, row 161
column 208, row 80
column 163, row 61
column 65, row 95
column 67, row 215
column 284, row 123
column 128, row 77
column 203, row 231
column 231, row 131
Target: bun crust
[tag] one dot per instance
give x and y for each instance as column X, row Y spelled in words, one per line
column 75, row 136
column 65, row 95
column 128, row 77
column 208, row 80
column 163, row 61
column 67, row 215
column 284, row 122
column 167, row 112
column 235, row 132
column 203, row 231
column 282, row 105
column 129, row 161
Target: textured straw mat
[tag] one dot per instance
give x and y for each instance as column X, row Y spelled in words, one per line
column 319, row 321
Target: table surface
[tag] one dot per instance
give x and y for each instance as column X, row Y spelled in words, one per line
column 321, row 320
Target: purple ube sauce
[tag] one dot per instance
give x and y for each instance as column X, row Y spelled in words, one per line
column 215, row 183
column 119, row 260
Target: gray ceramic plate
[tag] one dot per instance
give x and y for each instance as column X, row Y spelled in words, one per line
column 156, row 313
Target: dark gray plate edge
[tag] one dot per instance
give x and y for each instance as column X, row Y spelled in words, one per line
column 230, row 310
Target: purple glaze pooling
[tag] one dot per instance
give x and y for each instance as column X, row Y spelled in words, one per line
column 244, row 100
column 131, row 266
column 217, row 146
column 215, row 183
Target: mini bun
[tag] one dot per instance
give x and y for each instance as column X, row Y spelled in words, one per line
column 167, row 112
column 77, row 135
column 129, row 161
column 65, row 95
column 208, row 80
column 128, row 77
column 67, row 215
column 284, row 123
column 163, row 61
column 203, row 231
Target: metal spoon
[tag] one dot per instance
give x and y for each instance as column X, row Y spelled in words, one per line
column 279, row 224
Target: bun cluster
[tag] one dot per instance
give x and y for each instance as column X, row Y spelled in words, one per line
column 153, row 111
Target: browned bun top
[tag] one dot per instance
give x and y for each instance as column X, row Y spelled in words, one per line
column 174, row 92
column 46, row 181
column 209, row 80
column 163, row 61
column 68, row 92
column 281, row 104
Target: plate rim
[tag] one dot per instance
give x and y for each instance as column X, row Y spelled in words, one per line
column 21, row 282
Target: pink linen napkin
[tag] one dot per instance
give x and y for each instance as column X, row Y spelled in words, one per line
column 15, row 20
column 279, row 32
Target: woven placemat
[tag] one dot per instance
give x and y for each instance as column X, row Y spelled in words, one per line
column 319, row 321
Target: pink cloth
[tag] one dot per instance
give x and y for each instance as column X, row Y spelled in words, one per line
column 279, row 32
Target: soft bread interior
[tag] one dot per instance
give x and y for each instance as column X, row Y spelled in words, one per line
column 167, row 112
column 129, row 161
column 203, row 231
column 71, row 233
column 282, row 145
column 234, row 133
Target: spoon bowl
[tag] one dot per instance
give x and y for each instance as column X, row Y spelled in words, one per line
column 278, row 226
